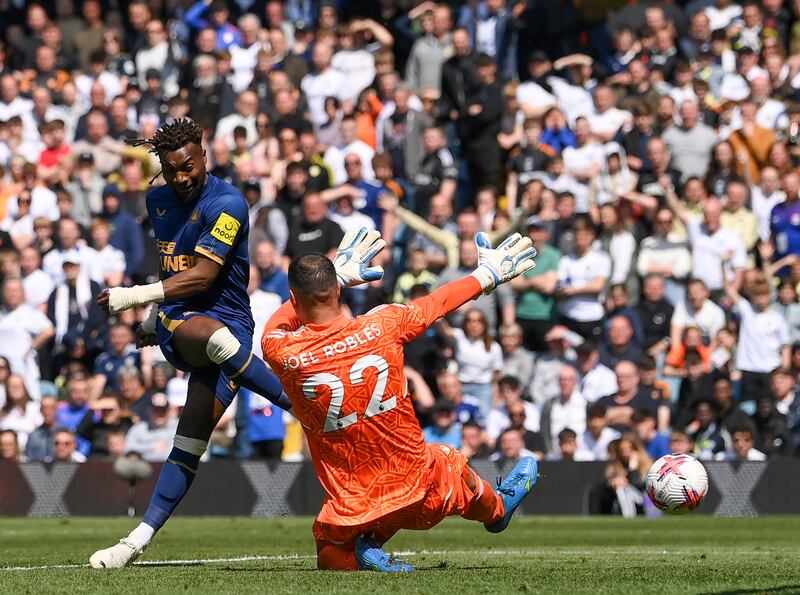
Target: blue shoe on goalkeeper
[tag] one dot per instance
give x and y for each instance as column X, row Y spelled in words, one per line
column 370, row 556
column 514, row 489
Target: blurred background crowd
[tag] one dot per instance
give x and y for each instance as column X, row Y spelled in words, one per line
column 649, row 149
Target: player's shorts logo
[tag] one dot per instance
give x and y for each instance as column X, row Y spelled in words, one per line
column 160, row 212
column 225, row 229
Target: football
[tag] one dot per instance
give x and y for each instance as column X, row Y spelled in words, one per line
column 677, row 484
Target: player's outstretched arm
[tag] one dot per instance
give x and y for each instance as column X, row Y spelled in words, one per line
column 187, row 283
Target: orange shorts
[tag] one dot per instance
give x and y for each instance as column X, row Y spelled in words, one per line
column 448, row 494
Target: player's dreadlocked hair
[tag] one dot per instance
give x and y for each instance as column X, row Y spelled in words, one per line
column 171, row 137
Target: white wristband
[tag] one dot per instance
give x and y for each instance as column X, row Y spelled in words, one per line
column 125, row 298
column 149, row 323
column 485, row 278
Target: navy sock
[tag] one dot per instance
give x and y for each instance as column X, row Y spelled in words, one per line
column 174, row 480
column 250, row 372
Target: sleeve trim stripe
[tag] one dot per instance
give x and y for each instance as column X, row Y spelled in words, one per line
column 209, row 254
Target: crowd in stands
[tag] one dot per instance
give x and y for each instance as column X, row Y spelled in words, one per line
column 648, row 149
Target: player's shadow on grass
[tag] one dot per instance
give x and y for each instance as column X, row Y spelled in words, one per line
column 770, row 589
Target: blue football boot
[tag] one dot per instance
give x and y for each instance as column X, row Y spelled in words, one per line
column 514, row 489
column 370, row 556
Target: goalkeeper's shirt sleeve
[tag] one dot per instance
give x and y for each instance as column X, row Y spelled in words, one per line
column 423, row 312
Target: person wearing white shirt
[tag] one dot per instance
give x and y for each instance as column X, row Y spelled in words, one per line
column 607, row 120
column 68, row 237
column 742, row 448
column 722, row 14
column 23, row 331
column 43, row 203
column 697, row 311
column 324, row 82
column 763, row 338
column 710, row 241
column 582, row 276
column 764, row 197
column 479, row 358
column 37, row 284
column 245, row 56
column 245, row 115
column 335, row 155
column 569, row 449
column 11, row 104
column 597, row 380
column 598, row 435
column 263, row 305
column 355, row 64
column 21, row 413
column 566, row 411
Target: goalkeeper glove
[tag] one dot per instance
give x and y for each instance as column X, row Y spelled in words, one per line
column 510, row 259
column 352, row 258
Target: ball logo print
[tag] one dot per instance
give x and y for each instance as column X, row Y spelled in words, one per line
column 676, row 484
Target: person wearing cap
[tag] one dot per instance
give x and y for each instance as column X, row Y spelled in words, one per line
column 152, row 439
column 535, row 289
column 445, row 428
column 86, row 187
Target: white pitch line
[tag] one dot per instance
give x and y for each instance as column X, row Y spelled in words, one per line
column 287, row 557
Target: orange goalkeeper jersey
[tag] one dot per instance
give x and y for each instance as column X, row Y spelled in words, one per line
column 346, row 383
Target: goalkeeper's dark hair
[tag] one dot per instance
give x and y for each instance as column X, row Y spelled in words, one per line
column 171, row 137
column 312, row 275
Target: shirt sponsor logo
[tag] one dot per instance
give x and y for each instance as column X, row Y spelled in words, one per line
column 225, row 229
column 176, row 264
column 166, row 247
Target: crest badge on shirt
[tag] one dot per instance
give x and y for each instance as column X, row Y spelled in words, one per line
column 195, row 216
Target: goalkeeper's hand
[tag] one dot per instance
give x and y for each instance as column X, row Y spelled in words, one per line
column 510, row 259
column 352, row 258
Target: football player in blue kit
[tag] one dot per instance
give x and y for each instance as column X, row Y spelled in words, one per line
column 200, row 316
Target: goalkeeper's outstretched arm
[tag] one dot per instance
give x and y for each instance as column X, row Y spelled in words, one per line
column 513, row 257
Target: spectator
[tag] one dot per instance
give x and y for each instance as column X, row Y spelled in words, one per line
column 655, row 314
column 620, row 345
column 9, row 447
column 467, row 407
column 314, row 232
column 65, row 448
column 655, row 442
column 479, row 357
column 568, row 449
column 417, row 273
column 742, row 447
column 598, row 435
column 323, row 82
column 40, row 441
column 152, row 437
column 764, row 338
column 536, row 304
column 511, row 447
column 99, row 431
column 424, row 65
column 566, row 411
column 445, row 428
column 662, row 254
column 698, row 311
column 20, row 413
column 135, row 400
column 582, row 275
column 336, row 155
column 71, row 414
column 122, row 353
column 473, row 443
column 499, row 418
column 517, row 361
column 622, row 491
column 597, row 380
column 628, row 398
column 691, row 142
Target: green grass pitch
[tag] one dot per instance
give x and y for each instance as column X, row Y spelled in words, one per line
column 535, row 555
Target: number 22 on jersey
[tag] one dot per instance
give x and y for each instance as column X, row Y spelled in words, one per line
column 376, row 405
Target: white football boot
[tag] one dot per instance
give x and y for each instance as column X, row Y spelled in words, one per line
column 117, row 556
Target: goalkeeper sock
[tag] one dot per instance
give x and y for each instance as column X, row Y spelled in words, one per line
column 244, row 369
column 486, row 506
column 174, row 481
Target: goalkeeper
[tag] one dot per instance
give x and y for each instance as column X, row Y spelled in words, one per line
column 345, row 380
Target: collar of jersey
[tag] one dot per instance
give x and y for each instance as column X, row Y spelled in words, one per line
column 335, row 323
